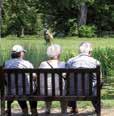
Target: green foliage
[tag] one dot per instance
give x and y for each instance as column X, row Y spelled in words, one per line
column 68, row 54
column 87, row 31
column 73, row 27
column 19, row 17
column 36, row 55
column 106, row 57
column 64, row 16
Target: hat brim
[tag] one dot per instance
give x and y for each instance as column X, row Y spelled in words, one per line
column 19, row 51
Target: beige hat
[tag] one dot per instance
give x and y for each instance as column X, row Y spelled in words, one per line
column 18, row 48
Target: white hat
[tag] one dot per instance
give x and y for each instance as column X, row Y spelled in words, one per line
column 18, row 48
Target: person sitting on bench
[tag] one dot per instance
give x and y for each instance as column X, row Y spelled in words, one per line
column 83, row 60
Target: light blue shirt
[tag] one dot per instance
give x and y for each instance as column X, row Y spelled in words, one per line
column 83, row 60
column 21, row 64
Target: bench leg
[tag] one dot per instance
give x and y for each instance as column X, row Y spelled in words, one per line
column 64, row 107
column 97, row 105
column 9, row 107
column 2, row 107
column 98, row 108
column 48, row 106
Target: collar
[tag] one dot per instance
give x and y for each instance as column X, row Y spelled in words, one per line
column 84, row 54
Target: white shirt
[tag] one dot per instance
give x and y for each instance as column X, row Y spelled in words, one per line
column 19, row 63
column 82, row 60
column 54, row 64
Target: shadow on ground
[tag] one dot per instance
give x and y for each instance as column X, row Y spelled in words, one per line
column 59, row 114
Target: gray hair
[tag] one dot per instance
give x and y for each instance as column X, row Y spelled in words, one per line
column 54, row 50
column 85, row 47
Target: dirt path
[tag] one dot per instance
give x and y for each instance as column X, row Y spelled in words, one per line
column 82, row 112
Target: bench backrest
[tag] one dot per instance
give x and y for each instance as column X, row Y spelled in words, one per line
column 77, row 82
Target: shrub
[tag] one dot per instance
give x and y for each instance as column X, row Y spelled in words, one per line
column 36, row 55
column 68, row 54
column 73, row 27
column 87, row 31
column 106, row 57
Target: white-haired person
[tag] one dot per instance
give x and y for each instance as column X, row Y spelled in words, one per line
column 17, row 61
column 83, row 60
column 53, row 53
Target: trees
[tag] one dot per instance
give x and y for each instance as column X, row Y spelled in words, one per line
column 18, row 16
column 63, row 11
column 21, row 16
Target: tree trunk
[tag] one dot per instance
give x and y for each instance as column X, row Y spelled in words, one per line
column 22, row 31
column 83, row 14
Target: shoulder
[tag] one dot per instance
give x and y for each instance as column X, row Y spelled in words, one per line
column 7, row 62
column 27, row 63
column 97, row 62
column 62, row 64
column 43, row 64
column 71, row 60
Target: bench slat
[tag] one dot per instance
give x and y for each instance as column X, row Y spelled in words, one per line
column 38, row 83
column 31, row 83
column 16, row 83
column 75, row 83
column 60, row 84
column 46, row 83
column 24, row 83
column 53, row 84
column 83, row 83
column 9, row 83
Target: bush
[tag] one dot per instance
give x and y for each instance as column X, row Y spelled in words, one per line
column 106, row 57
column 73, row 27
column 87, row 31
column 68, row 54
column 36, row 55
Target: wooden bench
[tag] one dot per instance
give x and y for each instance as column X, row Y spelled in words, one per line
column 84, row 92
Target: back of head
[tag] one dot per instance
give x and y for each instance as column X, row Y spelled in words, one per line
column 54, row 50
column 85, row 47
column 15, row 55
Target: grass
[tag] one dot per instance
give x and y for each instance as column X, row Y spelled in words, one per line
column 36, row 45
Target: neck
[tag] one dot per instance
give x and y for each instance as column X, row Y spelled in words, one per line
column 87, row 54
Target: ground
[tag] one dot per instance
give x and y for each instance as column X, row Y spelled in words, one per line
column 82, row 112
